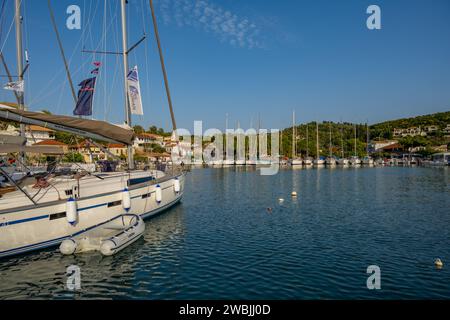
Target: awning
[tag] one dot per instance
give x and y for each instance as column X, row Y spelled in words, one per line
column 94, row 129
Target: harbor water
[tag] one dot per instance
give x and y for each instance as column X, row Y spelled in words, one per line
column 233, row 238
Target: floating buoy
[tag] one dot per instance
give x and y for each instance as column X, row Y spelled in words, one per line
column 294, row 193
column 438, row 263
column 269, row 210
column 126, row 199
column 71, row 211
column 280, row 200
column 176, row 185
column 158, row 194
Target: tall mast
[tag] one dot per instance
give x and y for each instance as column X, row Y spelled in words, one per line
column 331, row 153
column 307, row 140
column 342, row 142
column 317, row 140
column 293, row 134
column 355, row 141
column 367, row 139
column 18, row 22
column 125, row 76
column 163, row 67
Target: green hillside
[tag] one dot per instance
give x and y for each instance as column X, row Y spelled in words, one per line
column 342, row 135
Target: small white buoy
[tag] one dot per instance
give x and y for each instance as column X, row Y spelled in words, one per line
column 294, row 193
column 280, row 200
column 71, row 211
column 126, row 199
column 158, row 194
column 438, row 263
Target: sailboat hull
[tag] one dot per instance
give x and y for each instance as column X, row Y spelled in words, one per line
column 36, row 227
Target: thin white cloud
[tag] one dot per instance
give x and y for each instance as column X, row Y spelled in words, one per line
column 227, row 26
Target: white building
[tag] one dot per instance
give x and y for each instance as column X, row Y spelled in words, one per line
column 145, row 140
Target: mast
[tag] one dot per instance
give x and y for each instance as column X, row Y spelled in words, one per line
column 367, row 139
column 342, row 142
column 19, row 50
column 163, row 67
column 125, row 76
column 331, row 153
column 293, row 135
column 317, row 140
column 307, row 141
column 355, row 141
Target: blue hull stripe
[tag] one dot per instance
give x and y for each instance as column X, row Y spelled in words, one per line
column 53, row 242
column 47, row 216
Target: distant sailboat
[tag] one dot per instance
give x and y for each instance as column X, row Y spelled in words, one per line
column 342, row 160
column 330, row 161
column 229, row 158
column 355, row 161
column 295, row 161
column 368, row 161
column 308, row 161
column 318, row 161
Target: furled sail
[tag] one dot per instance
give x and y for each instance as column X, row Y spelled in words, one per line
column 94, row 129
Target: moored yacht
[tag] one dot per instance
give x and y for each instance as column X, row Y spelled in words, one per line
column 295, row 160
column 43, row 209
column 355, row 160
column 367, row 160
column 318, row 161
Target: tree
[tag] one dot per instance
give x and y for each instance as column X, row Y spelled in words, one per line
column 138, row 129
column 73, row 157
column 153, row 129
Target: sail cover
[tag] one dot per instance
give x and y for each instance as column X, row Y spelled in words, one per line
column 94, row 129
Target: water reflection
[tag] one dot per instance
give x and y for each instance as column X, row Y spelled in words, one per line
column 222, row 242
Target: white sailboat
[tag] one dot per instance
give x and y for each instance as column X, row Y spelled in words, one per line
column 330, row 160
column 367, row 160
column 308, row 161
column 342, row 160
column 42, row 211
column 354, row 160
column 295, row 161
column 318, row 162
column 229, row 158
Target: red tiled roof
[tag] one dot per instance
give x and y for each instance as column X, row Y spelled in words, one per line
column 116, row 145
column 50, row 143
column 148, row 135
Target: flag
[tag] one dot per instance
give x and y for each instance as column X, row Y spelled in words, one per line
column 97, row 63
column 134, row 92
column 85, row 98
column 15, row 86
column 95, row 71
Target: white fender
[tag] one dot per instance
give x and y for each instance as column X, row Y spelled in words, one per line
column 176, row 185
column 68, row 246
column 126, row 199
column 71, row 211
column 158, row 194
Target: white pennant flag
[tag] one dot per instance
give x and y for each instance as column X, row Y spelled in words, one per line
column 134, row 92
column 17, row 86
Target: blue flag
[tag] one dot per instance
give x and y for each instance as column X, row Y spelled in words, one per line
column 85, row 98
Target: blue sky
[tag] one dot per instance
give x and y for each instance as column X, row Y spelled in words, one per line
column 247, row 58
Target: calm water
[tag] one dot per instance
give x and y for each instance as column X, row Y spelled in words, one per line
column 221, row 242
